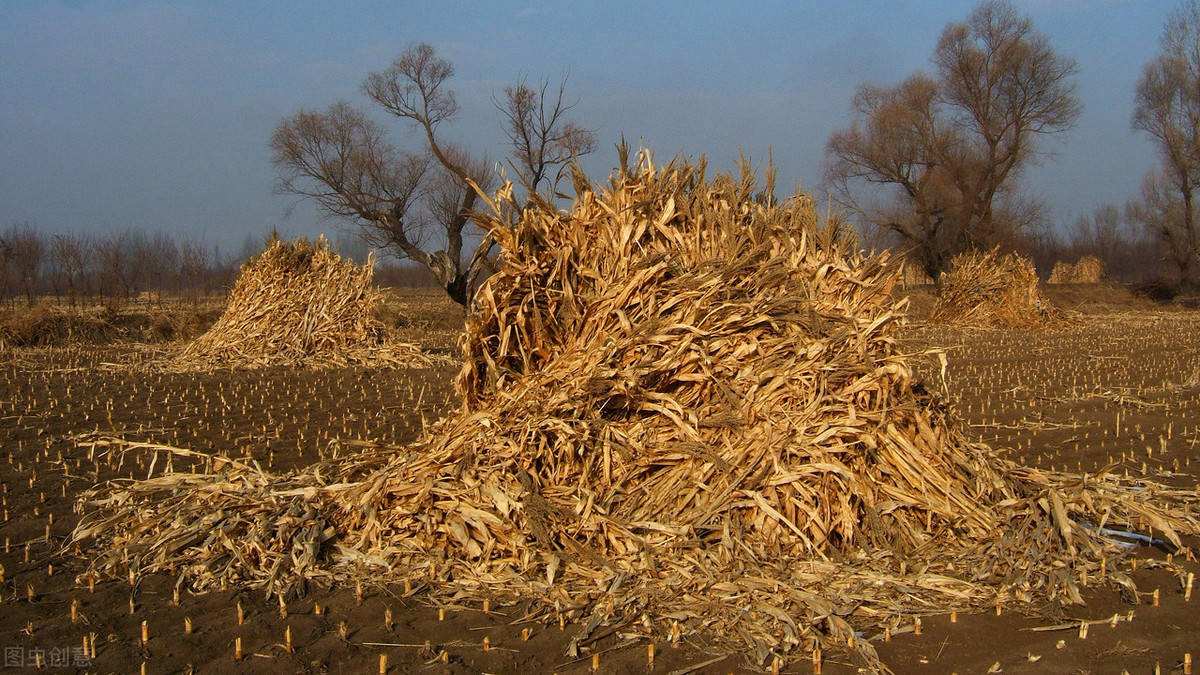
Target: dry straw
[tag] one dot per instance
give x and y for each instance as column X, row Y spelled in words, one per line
column 1087, row 270
column 985, row 288
column 299, row 304
column 685, row 408
column 912, row 274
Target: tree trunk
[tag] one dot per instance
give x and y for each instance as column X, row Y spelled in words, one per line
column 933, row 262
column 458, row 289
column 1187, row 264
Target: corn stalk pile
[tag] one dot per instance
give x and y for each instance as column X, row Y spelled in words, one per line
column 684, row 409
column 298, row 304
column 985, row 288
column 912, row 274
column 1087, row 270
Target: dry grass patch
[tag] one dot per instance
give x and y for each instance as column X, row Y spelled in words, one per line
column 45, row 325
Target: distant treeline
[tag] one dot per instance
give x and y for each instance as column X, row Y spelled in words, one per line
column 1131, row 252
column 120, row 266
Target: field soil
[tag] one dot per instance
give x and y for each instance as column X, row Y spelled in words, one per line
column 1116, row 384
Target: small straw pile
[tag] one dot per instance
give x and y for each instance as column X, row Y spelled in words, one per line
column 1087, row 270
column 986, row 289
column 298, row 304
column 684, row 409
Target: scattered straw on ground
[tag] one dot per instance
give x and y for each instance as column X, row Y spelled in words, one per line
column 299, row 304
column 684, row 409
column 1087, row 270
column 985, row 288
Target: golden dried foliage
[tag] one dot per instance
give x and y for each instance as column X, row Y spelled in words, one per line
column 1087, row 270
column 986, row 288
column 682, row 403
column 298, row 304
column 913, row 274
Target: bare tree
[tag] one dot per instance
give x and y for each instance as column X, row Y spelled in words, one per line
column 111, row 262
column 7, row 274
column 1099, row 233
column 121, row 265
column 543, row 141
column 25, row 250
column 1162, row 213
column 195, row 268
column 143, row 267
column 1167, row 108
column 950, row 148
column 352, row 246
column 252, row 245
column 161, row 263
column 412, row 202
column 1113, row 235
column 70, row 267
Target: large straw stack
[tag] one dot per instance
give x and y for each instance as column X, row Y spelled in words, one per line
column 683, row 403
column 298, row 304
column 985, row 288
column 1087, row 270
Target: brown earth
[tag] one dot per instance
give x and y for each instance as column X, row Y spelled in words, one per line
column 1118, row 382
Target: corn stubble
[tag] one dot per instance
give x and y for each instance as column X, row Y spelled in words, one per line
column 300, row 304
column 684, row 409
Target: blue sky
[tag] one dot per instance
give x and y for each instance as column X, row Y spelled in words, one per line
column 158, row 114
